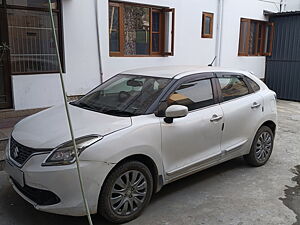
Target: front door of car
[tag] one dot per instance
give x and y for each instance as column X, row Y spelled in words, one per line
column 196, row 138
column 243, row 110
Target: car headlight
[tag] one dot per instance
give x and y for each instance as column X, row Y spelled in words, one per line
column 64, row 154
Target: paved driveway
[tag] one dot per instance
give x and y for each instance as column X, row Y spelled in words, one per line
column 230, row 193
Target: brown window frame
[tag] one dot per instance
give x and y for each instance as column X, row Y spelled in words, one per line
column 259, row 41
column 162, row 31
column 211, row 25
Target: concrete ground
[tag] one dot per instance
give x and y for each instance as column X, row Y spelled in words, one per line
column 230, row 193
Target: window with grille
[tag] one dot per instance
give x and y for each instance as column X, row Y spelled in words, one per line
column 256, row 38
column 32, row 48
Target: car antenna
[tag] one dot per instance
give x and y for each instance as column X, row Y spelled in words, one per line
column 211, row 64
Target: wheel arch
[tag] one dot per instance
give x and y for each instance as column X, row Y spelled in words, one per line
column 147, row 161
column 271, row 124
column 150, row 163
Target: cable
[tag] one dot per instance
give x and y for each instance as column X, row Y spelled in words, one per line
column 69, row 117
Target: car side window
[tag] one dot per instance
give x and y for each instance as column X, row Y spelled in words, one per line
column 194, row 95
column 255, row 87
column 232, row 87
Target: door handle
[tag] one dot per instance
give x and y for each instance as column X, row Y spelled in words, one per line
column 215, row 118
column 255, row 105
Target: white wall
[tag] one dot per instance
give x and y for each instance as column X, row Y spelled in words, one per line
column 36, row 91
column 81, row 52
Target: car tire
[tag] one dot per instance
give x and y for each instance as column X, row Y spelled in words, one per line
column 261, row 148
column 126, row 192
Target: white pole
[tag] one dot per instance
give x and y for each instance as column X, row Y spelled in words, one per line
column 98, row 40
column 69, row 117
column 219, row 32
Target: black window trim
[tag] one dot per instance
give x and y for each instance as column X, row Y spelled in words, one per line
column 227, row 75
column 249, row 85
column 177, row 82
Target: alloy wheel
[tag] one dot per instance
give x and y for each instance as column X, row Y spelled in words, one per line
column 128, row 193
column 263, row 146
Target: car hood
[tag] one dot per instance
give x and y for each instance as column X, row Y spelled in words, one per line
column 49, row 128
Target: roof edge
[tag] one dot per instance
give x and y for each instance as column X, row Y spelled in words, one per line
column 288, row 13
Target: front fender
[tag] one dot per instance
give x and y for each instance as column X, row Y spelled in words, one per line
column 143, row 138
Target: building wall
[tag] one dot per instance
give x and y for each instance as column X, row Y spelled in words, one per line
column 190, row 48
column 234, row 10
column 81, row 52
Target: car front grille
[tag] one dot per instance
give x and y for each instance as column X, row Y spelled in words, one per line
column 40, row 197
column 20, row 153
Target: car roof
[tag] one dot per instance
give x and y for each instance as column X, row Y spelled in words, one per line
column 177, row 72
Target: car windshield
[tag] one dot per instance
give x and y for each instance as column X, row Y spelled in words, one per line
column 124, row 95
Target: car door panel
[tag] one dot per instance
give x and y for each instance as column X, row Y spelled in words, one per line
column 196, row 137
column 241, row 115
column 191, row 139
column 240, row 120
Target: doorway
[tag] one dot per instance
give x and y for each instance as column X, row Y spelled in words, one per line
column 283, row 66
column 5, row 75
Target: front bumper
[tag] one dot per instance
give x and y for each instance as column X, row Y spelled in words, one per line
column 56, row 189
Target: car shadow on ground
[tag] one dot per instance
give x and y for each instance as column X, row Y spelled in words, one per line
column 199, row 177
column 14, row 210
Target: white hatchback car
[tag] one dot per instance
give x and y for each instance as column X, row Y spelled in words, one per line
column 138, row 131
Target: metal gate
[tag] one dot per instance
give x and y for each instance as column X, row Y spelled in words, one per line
column 283, row 67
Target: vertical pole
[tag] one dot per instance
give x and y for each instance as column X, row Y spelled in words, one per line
column 69, row 117
column 219, row 32
column 280, row 10
column 98, row 40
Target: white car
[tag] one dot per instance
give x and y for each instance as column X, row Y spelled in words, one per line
column 138, row 131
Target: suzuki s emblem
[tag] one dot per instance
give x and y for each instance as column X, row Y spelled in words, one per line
column 16, row 152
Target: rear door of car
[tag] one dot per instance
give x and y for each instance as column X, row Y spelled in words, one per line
column 243, row 110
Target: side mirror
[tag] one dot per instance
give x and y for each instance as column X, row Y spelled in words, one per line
column 175, row 111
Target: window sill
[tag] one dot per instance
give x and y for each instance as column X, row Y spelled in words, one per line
column 253, row 55
column 210, row 36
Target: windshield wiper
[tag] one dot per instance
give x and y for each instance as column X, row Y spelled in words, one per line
column 116, row 112
column 85, row 106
